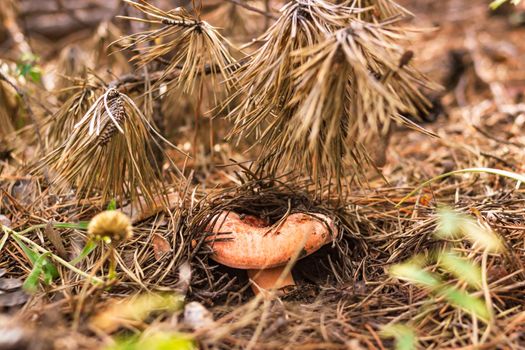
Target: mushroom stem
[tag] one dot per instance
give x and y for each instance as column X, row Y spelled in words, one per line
column 265, row 279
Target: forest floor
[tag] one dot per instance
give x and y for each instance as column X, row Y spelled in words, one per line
column 345, row 295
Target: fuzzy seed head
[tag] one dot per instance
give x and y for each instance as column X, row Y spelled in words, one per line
column 111, row 226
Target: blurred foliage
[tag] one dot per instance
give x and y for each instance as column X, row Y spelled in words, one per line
column 454, row 268
column 453, row 225
column 42, row 267
column 405, row 336
column 28, row 68
column 413, row 272
column 497, row 3
column 156, row 341
column 135, row 310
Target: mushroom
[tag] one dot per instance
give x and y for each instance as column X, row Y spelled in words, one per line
column 265, row 250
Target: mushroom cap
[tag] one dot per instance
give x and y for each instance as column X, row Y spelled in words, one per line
column 253, row 245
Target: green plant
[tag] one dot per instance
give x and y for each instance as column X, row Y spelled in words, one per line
column 155, row 341
column 133, row 309
column 28, row 67
column 405, row 336
column 43, row 268
column 457, row 277
column 105, row 228
column 497, row 3
column 414, row 272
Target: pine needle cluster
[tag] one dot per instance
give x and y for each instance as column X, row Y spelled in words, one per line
column 109, row 153
column 324, row 82
column 194, row 48
column 327, row 78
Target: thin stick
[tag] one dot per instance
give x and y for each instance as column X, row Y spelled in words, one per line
column 253, row 9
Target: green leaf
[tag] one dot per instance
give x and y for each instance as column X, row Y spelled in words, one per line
column 167, row 341
column 28, row 67
column 135, row 308
column 455, row 225
column 497, row 3
column 449, row 223
column 112, row 205
column 464, row 269
column 31, row 283
column 404, row 335
column 22, row 69
column 413, row 272
column 466, row 302
column 88, row 248
column 50, row 271
column 3, row 240
column 81, row 225
column 42, row 266
column 28, row 70
column 35, row 74
column 31, row 255
column 481, row 236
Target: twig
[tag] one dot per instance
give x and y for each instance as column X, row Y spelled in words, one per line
column 499, row 159
column 493, row 138
column 127, row 81
column 253, row 9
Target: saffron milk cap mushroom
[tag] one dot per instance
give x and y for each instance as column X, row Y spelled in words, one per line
column 265, row 250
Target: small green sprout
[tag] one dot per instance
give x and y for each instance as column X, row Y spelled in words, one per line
column 27, row 67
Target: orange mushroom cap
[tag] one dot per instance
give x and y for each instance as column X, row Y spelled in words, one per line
column 253, row 245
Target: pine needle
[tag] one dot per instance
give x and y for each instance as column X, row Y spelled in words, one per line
column 194, row 45
column 381, row 9
column 60, row 126
column 265, row 83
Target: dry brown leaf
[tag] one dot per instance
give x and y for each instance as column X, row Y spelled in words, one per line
column 160, row 246
column 13, row 299
column 56, row 240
